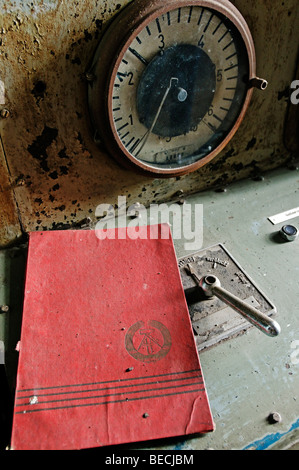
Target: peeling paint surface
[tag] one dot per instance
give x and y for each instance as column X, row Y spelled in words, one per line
column 45, row 48
column 270, row 439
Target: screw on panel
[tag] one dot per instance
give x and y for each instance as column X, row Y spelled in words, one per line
column 4, row 113
column 90, row 77
column 4, row 308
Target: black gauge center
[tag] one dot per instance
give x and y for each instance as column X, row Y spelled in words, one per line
column 192, row 76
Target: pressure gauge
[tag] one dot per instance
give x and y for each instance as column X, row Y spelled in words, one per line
column 170, row 83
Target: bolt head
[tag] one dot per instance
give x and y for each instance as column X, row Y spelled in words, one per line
column 289, row 233
column 274, row 418
column 4, row 308
column 4, row 113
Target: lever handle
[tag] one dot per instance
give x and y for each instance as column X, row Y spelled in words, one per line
column 211, row 286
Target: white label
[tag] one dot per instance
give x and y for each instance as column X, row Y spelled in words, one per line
column 283, row 216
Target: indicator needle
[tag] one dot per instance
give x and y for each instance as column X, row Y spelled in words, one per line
column 191, row 271
column 149, row 131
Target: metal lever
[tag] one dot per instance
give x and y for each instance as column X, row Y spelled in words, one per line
column 211, row 286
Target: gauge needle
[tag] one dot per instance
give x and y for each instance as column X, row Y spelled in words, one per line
column 143, row 140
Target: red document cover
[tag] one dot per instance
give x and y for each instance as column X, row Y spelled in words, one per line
column 107, row 353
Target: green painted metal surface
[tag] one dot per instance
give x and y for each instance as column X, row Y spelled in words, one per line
column 247, row 377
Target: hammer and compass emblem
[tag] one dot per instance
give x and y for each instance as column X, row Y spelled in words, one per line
column 148, row 342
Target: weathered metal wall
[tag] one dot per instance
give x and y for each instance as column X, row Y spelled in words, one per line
column 52, row 173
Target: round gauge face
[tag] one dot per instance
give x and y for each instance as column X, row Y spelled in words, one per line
column 178, row 88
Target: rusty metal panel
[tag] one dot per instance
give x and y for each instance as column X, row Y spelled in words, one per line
column 45, row 48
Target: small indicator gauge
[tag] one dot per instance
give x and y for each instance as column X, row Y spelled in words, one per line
column 171, row 82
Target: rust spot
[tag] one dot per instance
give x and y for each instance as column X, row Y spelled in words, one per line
column 87, row 36
column 284, row 94
column 39, row 90
column 38, row 148
column 99, row 24
column 229, row 153
column 62, row 153
column 76, row 60
column 53, row 175
column 238, row 166
column 64, row 170
column 60, row 208
column 251, row 144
